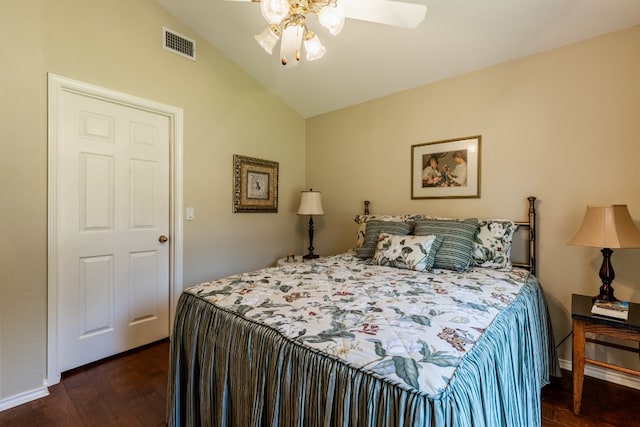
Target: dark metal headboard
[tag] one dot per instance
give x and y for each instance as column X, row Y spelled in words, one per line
column 532, row 265
column 530, row 224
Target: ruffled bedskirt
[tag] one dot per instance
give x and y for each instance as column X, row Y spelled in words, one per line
column 226, row 370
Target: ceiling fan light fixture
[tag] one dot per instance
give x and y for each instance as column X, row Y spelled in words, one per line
column 332, row 18
column 313, row 46
column 268, row 38
column 274, row 11
column 287, row 22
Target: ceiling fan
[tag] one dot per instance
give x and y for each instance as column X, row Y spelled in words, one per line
column 287, row 22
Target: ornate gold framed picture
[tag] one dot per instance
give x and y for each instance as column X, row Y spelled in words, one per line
column 446, row 169
column 255, row 185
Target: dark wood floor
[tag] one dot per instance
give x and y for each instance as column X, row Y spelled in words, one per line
column 126, row 390
column 604, row 404
column 130, row 390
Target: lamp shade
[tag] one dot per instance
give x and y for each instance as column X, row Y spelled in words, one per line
column 315, row 49
column 290, row 44
column 607, row 227
column 332, row 18
column 274, row 11
column 310, row 203
column 268, row 38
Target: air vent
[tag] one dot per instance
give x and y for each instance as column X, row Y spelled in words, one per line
column 179, row 44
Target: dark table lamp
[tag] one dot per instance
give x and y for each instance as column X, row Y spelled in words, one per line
column 607, row 227
column 310, row 204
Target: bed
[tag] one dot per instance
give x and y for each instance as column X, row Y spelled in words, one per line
column 401, row 331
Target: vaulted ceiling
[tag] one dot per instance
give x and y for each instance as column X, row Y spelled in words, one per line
column 367, row 60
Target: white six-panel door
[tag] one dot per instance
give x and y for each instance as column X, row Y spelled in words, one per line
column 112, row 211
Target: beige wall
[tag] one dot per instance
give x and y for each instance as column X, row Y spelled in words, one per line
column 117, row 44
column 23, row 195
column 562, row 126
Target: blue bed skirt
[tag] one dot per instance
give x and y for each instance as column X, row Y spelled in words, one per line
column 228, row 371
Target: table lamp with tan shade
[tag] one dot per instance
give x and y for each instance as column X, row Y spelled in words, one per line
column 607, row 227
column 310, row 204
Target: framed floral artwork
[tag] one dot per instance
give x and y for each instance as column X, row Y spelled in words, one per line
column 255, row 185
column 446, row 169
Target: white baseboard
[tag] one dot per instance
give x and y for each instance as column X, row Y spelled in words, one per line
column 609, row 375
column 25, row 397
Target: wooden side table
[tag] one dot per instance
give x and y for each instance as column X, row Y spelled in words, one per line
column 586, row 323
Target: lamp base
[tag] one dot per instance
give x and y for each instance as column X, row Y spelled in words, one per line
column 606, row 294
column 606, row 275
column 310, row 255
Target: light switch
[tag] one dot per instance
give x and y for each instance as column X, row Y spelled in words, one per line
column 191, row 214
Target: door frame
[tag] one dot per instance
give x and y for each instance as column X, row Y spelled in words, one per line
column 56, row 86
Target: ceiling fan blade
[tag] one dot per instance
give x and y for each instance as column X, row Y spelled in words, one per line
column 399, row 14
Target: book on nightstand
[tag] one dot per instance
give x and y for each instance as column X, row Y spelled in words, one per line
column 615, row 309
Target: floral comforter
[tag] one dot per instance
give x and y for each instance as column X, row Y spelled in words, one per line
column 412, row 328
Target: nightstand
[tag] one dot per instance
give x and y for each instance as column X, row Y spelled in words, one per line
column 297, row 259
column 285, row 261
column 584, row 322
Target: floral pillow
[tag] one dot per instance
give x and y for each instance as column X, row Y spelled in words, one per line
column 492, row 245
column 362, row 221
column 408, row 252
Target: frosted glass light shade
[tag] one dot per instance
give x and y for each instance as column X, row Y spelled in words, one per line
column 315, row 49
column 332, row 18
column 267, row 39
column 607, row 227
column 274, row 11
column 290, row 44
column 310, row 203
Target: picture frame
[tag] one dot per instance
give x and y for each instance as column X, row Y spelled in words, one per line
column 446, row 169
column 255, row 184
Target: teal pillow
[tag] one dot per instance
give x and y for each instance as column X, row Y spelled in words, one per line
column 374, row 228
column 458, row 237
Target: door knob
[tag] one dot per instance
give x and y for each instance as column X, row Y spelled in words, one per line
column 163, row 239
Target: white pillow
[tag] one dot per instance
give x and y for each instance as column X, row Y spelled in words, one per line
column 409, row 252
column 492, row 246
